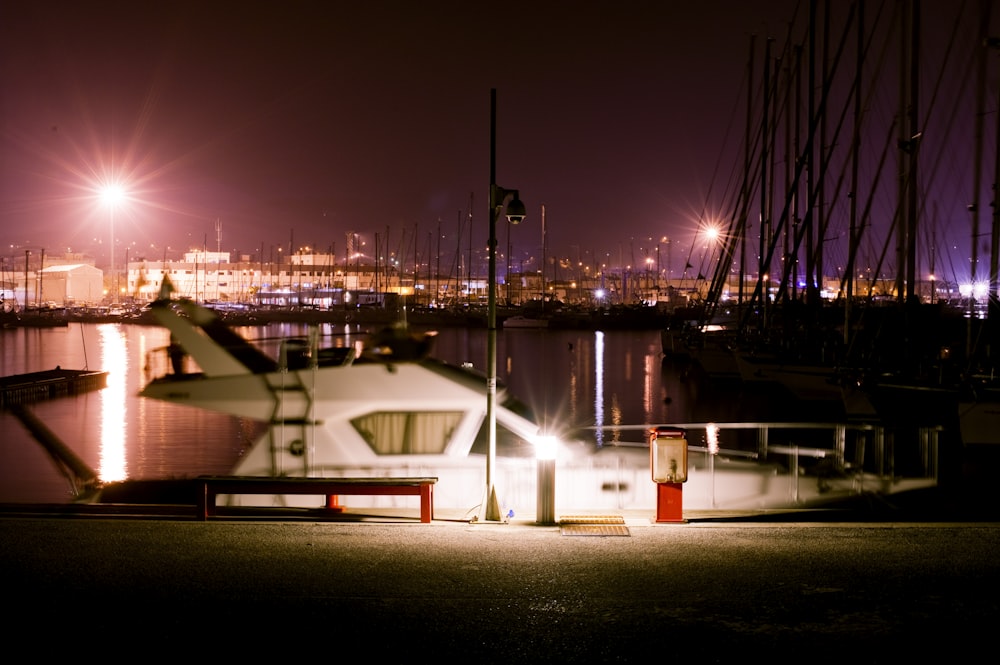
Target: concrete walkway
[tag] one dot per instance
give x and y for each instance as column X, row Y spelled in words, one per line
column 719, row 588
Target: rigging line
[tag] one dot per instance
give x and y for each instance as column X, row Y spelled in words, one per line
column 958, row 105
column 453, row 271
column 737, row 107
column 873, row 87
column 827, row 157
column 749, row 184
column 865, row 216
column 83, row 341
column 744, row 85
column 757, row 295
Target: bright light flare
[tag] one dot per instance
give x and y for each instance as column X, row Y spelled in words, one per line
column 546, row 447
column 112, row 195
column 979, row 290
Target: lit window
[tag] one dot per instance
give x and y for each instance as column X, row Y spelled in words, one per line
column 408, row 433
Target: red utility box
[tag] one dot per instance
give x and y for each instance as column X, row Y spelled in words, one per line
column 668, row 463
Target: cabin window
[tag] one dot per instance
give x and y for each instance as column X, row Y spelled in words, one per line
column 408, row 432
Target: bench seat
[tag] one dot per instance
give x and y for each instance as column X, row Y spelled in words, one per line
column 209, row 487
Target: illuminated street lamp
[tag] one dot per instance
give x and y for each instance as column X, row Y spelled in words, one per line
column 490, row 508
column 112, row 196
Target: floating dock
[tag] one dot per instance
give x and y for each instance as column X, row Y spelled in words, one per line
column 48, row 384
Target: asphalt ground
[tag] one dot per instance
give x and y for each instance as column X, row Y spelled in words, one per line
column 809, row 586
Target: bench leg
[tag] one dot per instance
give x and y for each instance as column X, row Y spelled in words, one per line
column 203, row 501
column 333, row 503
column 426, row 503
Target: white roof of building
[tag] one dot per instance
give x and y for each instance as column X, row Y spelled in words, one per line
column 70, row 267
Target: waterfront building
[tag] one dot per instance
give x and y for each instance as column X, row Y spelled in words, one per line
column 318, row 280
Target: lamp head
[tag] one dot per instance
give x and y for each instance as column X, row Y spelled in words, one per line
column 516, row 211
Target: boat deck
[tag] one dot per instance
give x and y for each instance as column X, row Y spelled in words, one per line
column 48, row 384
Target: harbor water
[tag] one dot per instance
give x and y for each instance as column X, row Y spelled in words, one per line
column 602, row 385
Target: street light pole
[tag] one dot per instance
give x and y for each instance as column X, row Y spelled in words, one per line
column 490, row 508
column 113, row 195
column 114, row 287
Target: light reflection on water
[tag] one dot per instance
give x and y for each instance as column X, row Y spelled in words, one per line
column 114, row 405
column 569, row 379
column 112, row 430
column 581, row 378
column 599, row 386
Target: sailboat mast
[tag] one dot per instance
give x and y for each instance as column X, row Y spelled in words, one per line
column 469, row 267
column 810, row 160
column 995, row 234
column 747, row 151
column 855, row 157
column 764, row 241
column 907, row 171
column 544, row 258
column 911, row 219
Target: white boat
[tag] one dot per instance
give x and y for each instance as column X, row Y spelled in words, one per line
column 393, row 411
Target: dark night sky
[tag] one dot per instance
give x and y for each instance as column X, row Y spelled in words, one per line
column 305, row 121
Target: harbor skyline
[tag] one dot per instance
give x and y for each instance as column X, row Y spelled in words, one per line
column 237, row 126
column 315, row 279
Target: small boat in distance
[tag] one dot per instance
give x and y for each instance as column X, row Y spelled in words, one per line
column 521, row 321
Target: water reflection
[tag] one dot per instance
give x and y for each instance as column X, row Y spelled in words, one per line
column 649, row 363
column 114, row 405
column 599, row 386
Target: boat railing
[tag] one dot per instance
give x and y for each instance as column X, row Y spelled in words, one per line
column 868, row 456
column 169, row 360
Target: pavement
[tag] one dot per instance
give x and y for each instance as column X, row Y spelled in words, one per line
column 721, row 586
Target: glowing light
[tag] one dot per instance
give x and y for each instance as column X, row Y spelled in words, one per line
column 712, row 438
column 546, row 447
column 113, row 195
column 977, row 290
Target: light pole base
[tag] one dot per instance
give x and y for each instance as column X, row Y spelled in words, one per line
column 545, row 511
column 490, row 509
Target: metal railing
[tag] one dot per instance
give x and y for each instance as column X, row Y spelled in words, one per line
column 869, row 456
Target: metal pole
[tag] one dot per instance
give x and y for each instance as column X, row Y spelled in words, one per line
column 490, row 508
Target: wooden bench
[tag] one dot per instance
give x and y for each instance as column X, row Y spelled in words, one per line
column 211, row 486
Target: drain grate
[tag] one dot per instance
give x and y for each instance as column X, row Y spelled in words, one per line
column 593, row 525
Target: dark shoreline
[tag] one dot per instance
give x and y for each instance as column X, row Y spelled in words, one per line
column 613, row 318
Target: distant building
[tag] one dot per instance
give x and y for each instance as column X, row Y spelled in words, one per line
column 71, row 284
